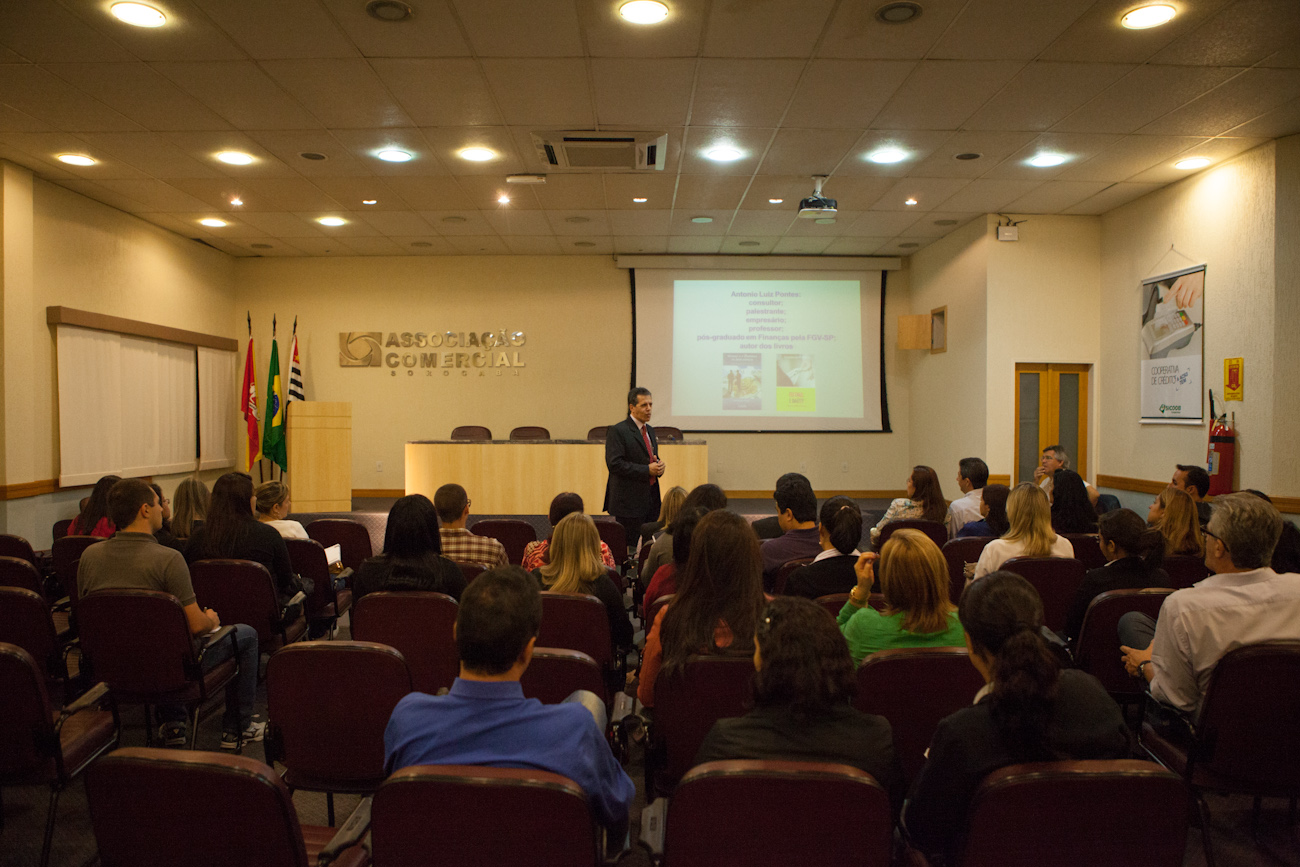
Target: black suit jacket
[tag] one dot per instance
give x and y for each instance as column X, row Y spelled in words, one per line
column 1126, row 573
column 628, row 493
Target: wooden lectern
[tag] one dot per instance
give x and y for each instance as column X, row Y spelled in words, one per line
column 320, row 456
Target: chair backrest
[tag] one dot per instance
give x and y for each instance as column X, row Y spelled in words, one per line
column 914, row 688
column 25, row 621
column 530, row 432
column 417, row 623
column 576, row 621
column 657, row 606
column 67, row 556
column 689, row 701
column 1249, row 728
column 1078, row 814
column 1087, row 549
column 937, row 532
column 556, row 672
column 25, row 727
column 137, row 640
column 159, row 807
column 240, row 591
column 514, row 535
column 1096, row 648
column 833, row 602
column 1184, row 570
column 471, row 432
column 328, row 703
column 957, row 554
column 16, row 546
column 1056, row 579
column 598, row 432
column 664, row 433
column 457, row 812
column 307, row 556
column 615, row 537
column 61, row 528
column 777, row 813
column 784, row 570
column 351, row 536
column 18, row 572
column 471, row 570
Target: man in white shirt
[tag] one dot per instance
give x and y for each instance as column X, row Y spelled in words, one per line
column 1054, row 458
column 972, row 476
column 1243, row 602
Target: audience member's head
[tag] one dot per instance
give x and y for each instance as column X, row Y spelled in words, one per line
column 671, row 505
column 993, row 506
column 1286, row 556
column 573, row 558
column 914, row 580
column 162, row 501
column 1192, row 479
column 682, row 529
column 272, row 501
column 1173, row 514
column 192, row 499
column 722, row 582
column 1072, row 511
column 1123, row 533
column 973, row 472
column 1030, row 518
column 564, row 504
column 1054, row 458
column 451, row 501
column 794, row 494
column 96, row 508
column 499, row 615
column 1243, row 532
column 924, row 488
column 231, row 507
column 802, row 659
column 412, row 530
column 126, row 499
column 707, row 496
column 1002, row 614
column 840, row 525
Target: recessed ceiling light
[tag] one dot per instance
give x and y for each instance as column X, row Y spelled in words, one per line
column 910, row 202
column 236, row 201
column 390, row 11
column 749, row 244
column 583, row 244
column 945, row 222
column 392, row 155
column 775, row 201
column 213, row 222
column 477, row 155
column 910, row 244
column 503, row 199
column 577, row 219
column 967, row 156
column 1148, row 16
column 313, row 156
column 1192, row 163
column 235, row 158
column 1047, row 160
column 76, row 159
column 701, row 219
column 898, row 13
column 138, row 15
column 887, row 155
column 723, row 154
column 643, row 11
column 332, row 221
column 421, row 243
column 639, row 200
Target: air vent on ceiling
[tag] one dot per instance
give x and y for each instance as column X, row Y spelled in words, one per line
column 587, row 150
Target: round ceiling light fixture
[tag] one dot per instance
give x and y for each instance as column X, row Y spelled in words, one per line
column 723, row 154
column 584, row 244
column 749, row 244
column 971, row 155
column 390, row 11
column 421, row 243
column 701, row 219
column 213, row 223
column 639, row 200
column 76, row 159
column 332, row 221
column 236, row 201
column 503, row 199
column 643, row 11
column 369, row 201
column 1047, row 160
column 887, row 155
column 910, row 202
column 477, row 155
column 775, row 201
column 898, row 13
column 825, row 221
column 393, row 155
column 1145, row 17
column 138, row 15
column 1192, row 163
column 235, row 158
column 313, row 156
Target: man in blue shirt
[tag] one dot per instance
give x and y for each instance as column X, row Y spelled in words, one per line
column 485, row 719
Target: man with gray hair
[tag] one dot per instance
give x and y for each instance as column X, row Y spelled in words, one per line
column 1054, row 458
column 1243, row 602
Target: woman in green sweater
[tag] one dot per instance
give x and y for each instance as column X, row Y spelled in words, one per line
column 917, row 613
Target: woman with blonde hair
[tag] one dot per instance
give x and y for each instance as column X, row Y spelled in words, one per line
column 668, row 509
column 189, row 507
column 1031, row 533
column 273, row 507
column 575, row 566
column 917, row 613
column 1174, row 514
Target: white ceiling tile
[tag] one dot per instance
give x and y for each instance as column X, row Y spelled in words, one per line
column 749, row 141
column 1127, row 157
column 1287, row 58
column 479, row 245
column 681, row 244
column 376, row 246
column 856, row 32
column 1097, row 37
column 774, row 222
column 1054, row 197
column 450, row 223
column 189, row 34
column 1277, row 123
column 47, row 32
column 550, row 92
column 433, row 194
column 732, row 92
column 280, row 250
column 36, row 92
column 640, row 244
column 1216, row 149
column 292, row 194
column 647, row 93
column 320, row 246
column 1076, row 147
column 607, row 34
column 579, row 223
column 45, row 146
column 917, row 144
column 784, row 30
column 820, row 150
column 156, row 195
column 844, row 93
column 1112, row 197
column 485, row 192
column 987, row 196
column 854, row 246
column 789, row 188
column 882, row 224
column 217, row 193
column 448, row 141
column 587, row 246
column 533, row 245
column 1241, row 35
column 655, row 187
column 13, row 120
column 363, row 145
column 630, row 222
column 984, row 29
column 280, row 224
column 854, row 193
column 429, row 245
column 112, row 198
column 431, row 32
column 342, row 94
column 440, row 92
column 806, row 246
column 747, row 245
column 1043, row 93
column 904, row 246
column 720, row 192
column 139, row 93
column 994, row 147
column 508, row 222
column 355, row 227
column 520, row 28
column 1143, row 95
column 394, row 223
column 928, row 224
column 150, row 153
column 241, row 93
column 683, row 222
column 283, row 29
column 928, row 192
column 806, row 228
column 205, row 145
column 584, row 192
column 289, row 145
column 1234, row 102
column 942, row 94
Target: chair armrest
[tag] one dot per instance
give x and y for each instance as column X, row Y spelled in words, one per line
column 89, row 698
column 652, row 828
column 356, row 827
column 624, row 705
column 211, row 639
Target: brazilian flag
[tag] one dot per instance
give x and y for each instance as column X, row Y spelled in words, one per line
column 273, row 443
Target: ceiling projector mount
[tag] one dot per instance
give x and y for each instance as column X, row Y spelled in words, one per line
column 817, row 205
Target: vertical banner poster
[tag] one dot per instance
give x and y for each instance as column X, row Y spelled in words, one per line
column 1172, row 347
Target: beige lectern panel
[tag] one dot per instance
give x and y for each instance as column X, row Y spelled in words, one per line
column 320, row 456
column 521, row 478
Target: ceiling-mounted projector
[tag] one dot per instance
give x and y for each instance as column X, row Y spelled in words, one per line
column 817, row 205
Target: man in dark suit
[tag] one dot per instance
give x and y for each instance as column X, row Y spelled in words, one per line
column 632, row 456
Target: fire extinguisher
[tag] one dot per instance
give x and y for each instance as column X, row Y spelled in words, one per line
column 1222, row 455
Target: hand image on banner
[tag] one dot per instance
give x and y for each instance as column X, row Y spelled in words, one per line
column 1172, row 344
column 273, row 444
column 248, row 393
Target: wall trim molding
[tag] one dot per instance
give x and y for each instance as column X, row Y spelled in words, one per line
column 136, row 328
column 379, row 492
column 1124, row 483
column 999, row 479
column 23, row 490
column 822, row 495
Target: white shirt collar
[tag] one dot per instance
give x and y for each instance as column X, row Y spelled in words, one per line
column 834, row 552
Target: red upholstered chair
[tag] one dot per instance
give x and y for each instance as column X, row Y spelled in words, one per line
column 556, row 672
column 474, row 432
column 687, row 704
column 60, row 528
column 25, row 621
column 513, row 534
column 576, row 621
column 16, row 546
column 138, row 642
column 419, row 624
column 937, row 532
column 19, row 572
column 241, row 591
column 778, row 813
column 1247, row 738
column 40, row 748
column 530, row 432
column 1185, row 570
column 1087, row 550
column 327, row 705
column 1078, row 814
column 352, row 537
column 471, row 571
column 957, row 554
column 67, row 556
column 598, row 432
column 160, row 808
column 914, row 688
column 1056, row 579
column 613, row 535
column 1096, row 648
column 325, row 603
column 833, row 602
column 783, row 573
column 464, row 814
column 664, row 433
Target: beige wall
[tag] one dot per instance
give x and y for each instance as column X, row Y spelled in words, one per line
column 1286, row 320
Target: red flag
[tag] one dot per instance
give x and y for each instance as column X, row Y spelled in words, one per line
column 249, row 393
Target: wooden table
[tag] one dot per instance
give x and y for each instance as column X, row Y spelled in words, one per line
column 521, row 477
